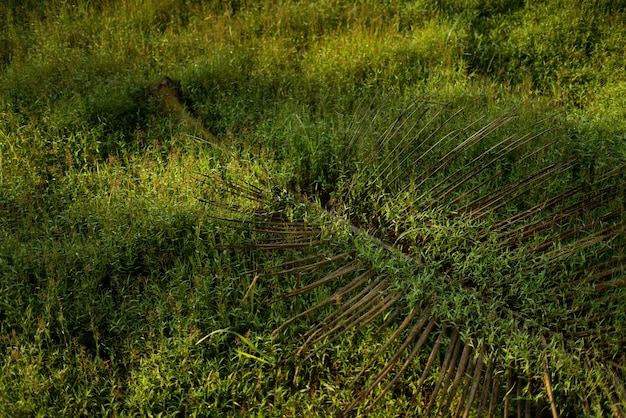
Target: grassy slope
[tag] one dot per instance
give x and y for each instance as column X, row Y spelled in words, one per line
column 111, row 269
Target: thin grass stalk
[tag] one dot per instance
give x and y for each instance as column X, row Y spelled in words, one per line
column 221, row 205
column 390, row 158
column 573, row 321
column 309, row 267
column 501, row 201
column 356, row 323
column 416, row 309
column 507, row 392
column 467, row 384
column 478, row 136
column 467, row 193
column 275, row 225
column 391, row 318
column 412, row 153
column 445, row 161
column 342, row 271
column 283, row 232
column 277, row 221
column 617, row 366
column 364, row 297
column 457, row 378
column 427, row 173
column 467, row 176
column 426, row 371
column 336, row 297
column 400, row 121
column 267, row 241
column 575, row 406
column 526, row 133
column 541, row 207
column 593, row 333
column 529, row 396
column 356, row 127
column 250, row 289
column 475, row 380
column 617, row 410
column 261, row 220
column 519, row 396
column 611, row 284
column 540, row 408
column 275, row 246
column 603, row 236
column 495, row 389
column 509, row 144
column 595, row 386
column 548, row 386
column 446, row 368
column 439, row 397
column 359, row 323
column 247, row 190
column 418, row 346
column 368, row 127
column 617, row 384
column 423, row 176
column 386, row 135
column 598, row 276
column 591, row 200
column 347, row 315
column 406, row 143
column 570, row 233
column 463, row 196
column 604, row 271
column 515, row 192
column 372, row 313
column 285, row 264
column 428, row 366
column 486, row 387
column 415, row 331
column 549, row 223
column 498, row 194
column 588, row 305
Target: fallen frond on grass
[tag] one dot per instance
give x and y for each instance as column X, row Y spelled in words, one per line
column 496, row 265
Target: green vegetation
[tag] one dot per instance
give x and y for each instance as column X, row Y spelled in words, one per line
column 123, row 292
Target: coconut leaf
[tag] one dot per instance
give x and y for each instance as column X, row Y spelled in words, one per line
column 456, row 205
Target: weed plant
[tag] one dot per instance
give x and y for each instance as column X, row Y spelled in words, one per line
column 113, row 270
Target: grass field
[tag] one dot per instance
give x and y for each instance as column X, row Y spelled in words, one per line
column 114, row 268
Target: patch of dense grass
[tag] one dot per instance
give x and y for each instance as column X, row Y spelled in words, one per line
column 111, row 269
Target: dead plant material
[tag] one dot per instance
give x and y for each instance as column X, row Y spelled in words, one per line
column 169, row 96
column 534, row 221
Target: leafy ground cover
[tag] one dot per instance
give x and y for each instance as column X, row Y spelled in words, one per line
column 113, row 269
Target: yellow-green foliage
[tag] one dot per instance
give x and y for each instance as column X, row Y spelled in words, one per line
column 110, row 267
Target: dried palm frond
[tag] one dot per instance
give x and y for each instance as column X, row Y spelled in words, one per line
column 497, row 269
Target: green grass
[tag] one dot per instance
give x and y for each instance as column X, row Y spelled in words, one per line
column 111, row 268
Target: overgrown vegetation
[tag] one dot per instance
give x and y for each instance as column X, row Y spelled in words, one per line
column 114, row 269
